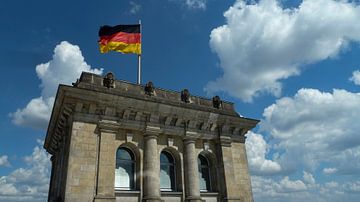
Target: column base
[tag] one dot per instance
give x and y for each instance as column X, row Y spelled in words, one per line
column 194, row 199
column 233, row 200
column 104, row 199
column 152, row 199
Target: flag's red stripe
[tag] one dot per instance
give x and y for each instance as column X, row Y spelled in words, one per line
column 129, row 38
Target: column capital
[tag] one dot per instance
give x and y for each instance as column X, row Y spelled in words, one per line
column 225, row 141
column 152, row 131
column 190, row 137
column 108, row 126
column 52, row 158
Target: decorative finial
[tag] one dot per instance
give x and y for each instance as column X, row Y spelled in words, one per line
column 185, row 96
column 109, row 80
column 217, row 103
column 149, row 88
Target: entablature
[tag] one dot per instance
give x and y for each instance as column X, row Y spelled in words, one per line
column 137, row 112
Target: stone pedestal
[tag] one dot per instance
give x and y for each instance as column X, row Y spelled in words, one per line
column 191, row 173
column 151, row 167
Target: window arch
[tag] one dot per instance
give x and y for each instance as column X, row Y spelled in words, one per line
column 124, row 170
column 204, row 174
column 167, row 172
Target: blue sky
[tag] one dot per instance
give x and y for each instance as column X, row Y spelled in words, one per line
column 293, row 64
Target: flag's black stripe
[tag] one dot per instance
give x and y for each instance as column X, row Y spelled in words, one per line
column 107, row 30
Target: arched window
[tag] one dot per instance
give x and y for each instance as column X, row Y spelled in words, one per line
column 204, row 174
column 124, row 170
column 167, row 172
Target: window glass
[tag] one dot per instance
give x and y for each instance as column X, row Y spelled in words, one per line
column 204, row 174
column 124, row 169
column 167, row 172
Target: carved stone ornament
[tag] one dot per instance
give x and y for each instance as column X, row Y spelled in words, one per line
column 217, row 103
column 76, row 82
column 109, row 80
column 149, row 88
column 185, row 96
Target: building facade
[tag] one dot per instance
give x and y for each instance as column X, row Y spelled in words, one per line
column 112, row 140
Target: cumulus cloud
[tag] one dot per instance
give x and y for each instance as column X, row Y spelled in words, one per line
column 316, row 127
column 30, row 183
column 264, row 43
column 64, row 68
column 256, row 149
column 287, row 185
column 4, row 160
column 353, row 187
column 276, row 190
column 284, row 189
column 308, row 178
column 329, row 170
column 355, row 77
column 36, row 114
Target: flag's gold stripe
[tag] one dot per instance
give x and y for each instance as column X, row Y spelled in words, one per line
column 121, row 47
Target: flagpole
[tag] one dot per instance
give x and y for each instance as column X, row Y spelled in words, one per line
column 139, row 61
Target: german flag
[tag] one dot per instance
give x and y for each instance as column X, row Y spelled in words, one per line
column 120, row 38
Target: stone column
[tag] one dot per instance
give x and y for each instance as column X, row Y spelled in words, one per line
column 151, row 166
column 192, row 187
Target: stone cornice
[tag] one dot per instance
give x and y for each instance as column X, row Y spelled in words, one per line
column 60, row 116
column 114, row 110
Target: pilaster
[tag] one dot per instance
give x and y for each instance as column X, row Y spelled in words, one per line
column 228, row 185
column 106, row 162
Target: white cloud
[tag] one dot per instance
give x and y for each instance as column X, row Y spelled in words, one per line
column 30, row 183
column 284, row 189
column 193, row 4
column 256, row 149
column 263, row 43
column 353, row 187
column 36, row 114
column 308, row 178
column 355, row 77
column 134, row 7
column 64, row 68
column 329, row 170
column 4, row 160
column 196, row 4
column 316, row 127
column 331, row 184
column 287, row 185
column 268, row 189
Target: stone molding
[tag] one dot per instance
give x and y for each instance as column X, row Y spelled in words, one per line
column 225, row 141
column 152, row 130
column 56, row 130
column 137, row 113
column 191, row 135
column 108, row 126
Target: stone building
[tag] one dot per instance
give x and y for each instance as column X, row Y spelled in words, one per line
column 111, row 140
